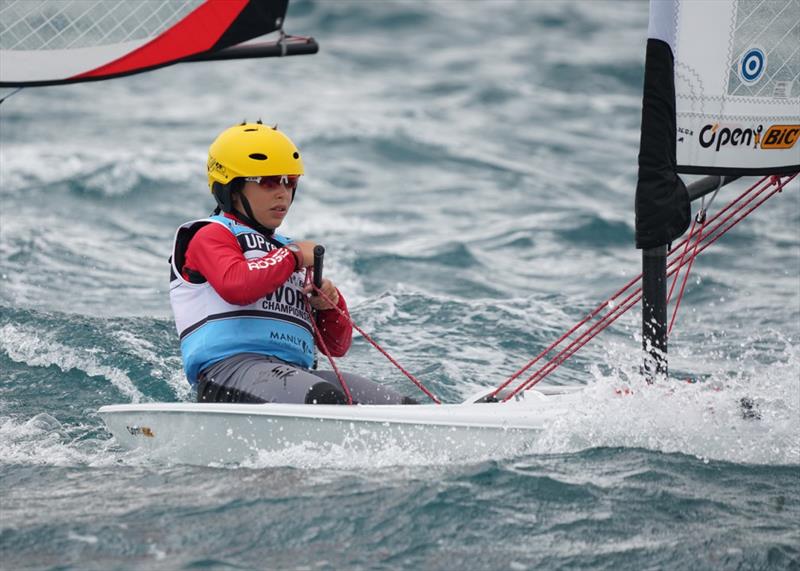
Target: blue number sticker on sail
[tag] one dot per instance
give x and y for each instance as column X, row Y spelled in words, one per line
column 753, row 64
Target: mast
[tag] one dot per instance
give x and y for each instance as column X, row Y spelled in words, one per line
column 663, row 211
column 654, row 312
column 654, row 290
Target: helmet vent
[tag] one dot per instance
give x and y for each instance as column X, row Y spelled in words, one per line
column 258, row 157
column 296, row 155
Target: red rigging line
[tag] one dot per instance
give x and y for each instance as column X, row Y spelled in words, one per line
column 583, row 339
column 319, row 338
column 777, row 182
column 364, row 334
column 551, row 365
column 688, row 268
column 685, row 250
column 600, row 307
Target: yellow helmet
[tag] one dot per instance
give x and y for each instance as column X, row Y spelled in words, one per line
column 251, row 149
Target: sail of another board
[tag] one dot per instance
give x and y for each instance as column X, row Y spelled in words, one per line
column 715, row 102
column 50, row 42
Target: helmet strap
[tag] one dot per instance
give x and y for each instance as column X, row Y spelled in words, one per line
column 250, row 218
column 223, row 194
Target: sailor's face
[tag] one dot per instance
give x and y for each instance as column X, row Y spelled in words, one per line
column 270, row 203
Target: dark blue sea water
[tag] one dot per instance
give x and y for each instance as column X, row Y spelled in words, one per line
column 470, row 168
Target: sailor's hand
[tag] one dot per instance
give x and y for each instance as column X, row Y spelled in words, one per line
column 306, row 248
column 317, row 301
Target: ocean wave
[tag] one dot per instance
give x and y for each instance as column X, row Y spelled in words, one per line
column 136, row 359
column 34, row 348
column 93, row 171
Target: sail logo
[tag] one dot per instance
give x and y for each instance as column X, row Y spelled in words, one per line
column 776, row 137
column 780, row 137
column 752, row 65
column 712, row 135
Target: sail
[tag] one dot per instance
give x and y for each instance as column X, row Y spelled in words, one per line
column 45, row 42
column 721, row 96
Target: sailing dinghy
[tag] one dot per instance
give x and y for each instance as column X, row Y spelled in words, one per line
column 721, row 98
column 201, row 433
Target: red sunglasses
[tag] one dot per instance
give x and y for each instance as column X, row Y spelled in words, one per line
column 287, row 180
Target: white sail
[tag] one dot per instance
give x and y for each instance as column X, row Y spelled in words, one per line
column 737, row 82
column 43, row 40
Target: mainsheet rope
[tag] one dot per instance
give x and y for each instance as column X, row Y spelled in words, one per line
column 321, row 341
column 617, row 309
column 412, row 378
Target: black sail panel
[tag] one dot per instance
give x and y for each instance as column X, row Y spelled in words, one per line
column 662, row 206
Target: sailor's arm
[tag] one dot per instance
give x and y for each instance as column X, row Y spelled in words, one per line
column 335, row 329
column 215, row 254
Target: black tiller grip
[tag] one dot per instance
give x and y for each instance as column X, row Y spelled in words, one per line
column 319, row 254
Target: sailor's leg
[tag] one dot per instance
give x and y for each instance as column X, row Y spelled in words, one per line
column 365, row 391
column 251, row 378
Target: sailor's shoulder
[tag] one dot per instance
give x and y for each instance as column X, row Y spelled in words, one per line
column 281, row 238
column 211, row 229
column 234, row 226
column 200, row 222
column 206, row 231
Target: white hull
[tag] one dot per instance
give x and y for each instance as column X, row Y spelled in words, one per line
column 205, row 434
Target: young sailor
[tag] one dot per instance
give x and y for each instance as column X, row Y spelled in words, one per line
column 237, row 287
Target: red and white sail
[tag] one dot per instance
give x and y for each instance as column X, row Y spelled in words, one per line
column 45, row 42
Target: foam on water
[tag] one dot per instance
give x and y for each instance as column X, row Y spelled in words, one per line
column 168, row 369
column 704, row 419
column 370, row 458
column 42, row 440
